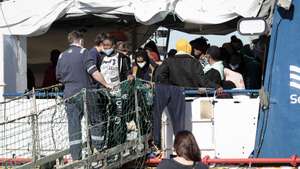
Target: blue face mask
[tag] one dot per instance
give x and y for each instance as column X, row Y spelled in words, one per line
column 108, row 51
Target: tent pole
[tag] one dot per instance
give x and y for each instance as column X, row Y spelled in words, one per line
column 168, row 41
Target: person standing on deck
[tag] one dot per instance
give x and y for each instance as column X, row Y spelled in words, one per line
column 71, row 72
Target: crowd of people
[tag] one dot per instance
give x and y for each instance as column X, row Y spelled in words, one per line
column 192, row 64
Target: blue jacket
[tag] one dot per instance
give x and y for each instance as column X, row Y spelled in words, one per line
column 71, row 70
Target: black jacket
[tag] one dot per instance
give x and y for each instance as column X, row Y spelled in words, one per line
column 214, row 76
column 182, row 70
column 124, row 66
column 171, row 164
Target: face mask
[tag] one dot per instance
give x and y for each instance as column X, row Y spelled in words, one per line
column 234, row 67
column 204, row 59
column 141, row 65
column 108, row 51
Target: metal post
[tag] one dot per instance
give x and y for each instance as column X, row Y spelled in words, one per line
column 34, row 127
column 86, row 116
column 4, row 129
column 108, row 119
column 136, row 104
column 168, row 41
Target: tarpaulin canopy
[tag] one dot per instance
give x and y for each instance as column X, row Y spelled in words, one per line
column 34, row 17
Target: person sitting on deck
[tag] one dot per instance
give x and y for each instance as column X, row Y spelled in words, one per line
column 188, row 153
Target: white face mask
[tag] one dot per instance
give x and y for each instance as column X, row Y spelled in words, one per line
column 234, row 67
column 108, row 51
column 142, row 64
column 204, row 59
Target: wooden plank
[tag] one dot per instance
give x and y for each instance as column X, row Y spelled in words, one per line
column 45, row 160
column 117, row 150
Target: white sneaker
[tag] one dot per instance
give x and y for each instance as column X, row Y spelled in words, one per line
column 97, row 164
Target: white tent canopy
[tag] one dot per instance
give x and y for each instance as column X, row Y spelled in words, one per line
column 34, row 17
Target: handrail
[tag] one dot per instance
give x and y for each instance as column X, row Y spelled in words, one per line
column 37, row 94
column 15, row 161
column 212, row 91
column 187, row 91
column 293, row 161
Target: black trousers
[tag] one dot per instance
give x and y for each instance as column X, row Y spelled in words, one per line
column 96, row 106
column 173, row 98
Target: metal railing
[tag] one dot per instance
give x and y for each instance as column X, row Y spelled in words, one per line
column 34, row 127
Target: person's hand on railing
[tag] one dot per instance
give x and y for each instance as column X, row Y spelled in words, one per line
column 219, row 91
column 202, row 90
column 109, row 86
column 151, row 84
column 130, row 77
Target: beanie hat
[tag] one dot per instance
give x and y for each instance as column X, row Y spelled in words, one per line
column 183, row 45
